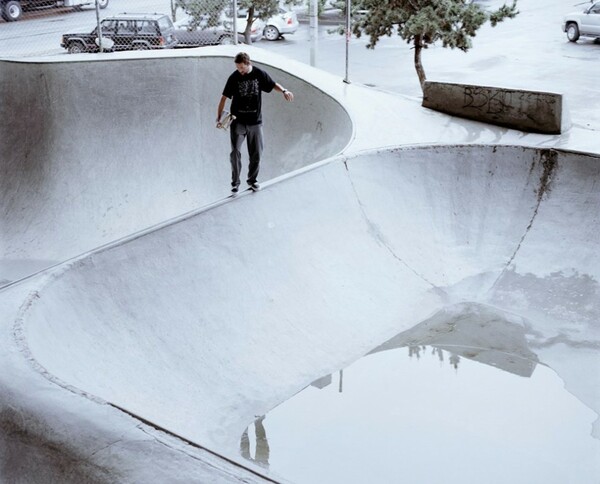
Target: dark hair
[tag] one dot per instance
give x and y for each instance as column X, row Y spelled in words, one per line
column 242, row 58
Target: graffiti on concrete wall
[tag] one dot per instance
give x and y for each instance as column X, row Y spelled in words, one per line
column 534, row 111
column 504, row 101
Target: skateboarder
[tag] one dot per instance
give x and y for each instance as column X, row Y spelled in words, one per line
column 244, row 87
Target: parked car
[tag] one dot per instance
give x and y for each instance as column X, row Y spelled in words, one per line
column 258, row 25
column 197, row 34
column 583, row 24
column 125, row 32
column 284, row 22
column 12, row 10
column 190, row 33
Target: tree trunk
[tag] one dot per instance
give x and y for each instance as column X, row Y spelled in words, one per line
column 418, row 65
column 249, row 22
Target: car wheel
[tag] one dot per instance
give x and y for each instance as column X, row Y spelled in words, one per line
column 12, row 11
column 76, row 48
column 572, row 32
column 102, row 3
column 226, row 40
column 271, row 32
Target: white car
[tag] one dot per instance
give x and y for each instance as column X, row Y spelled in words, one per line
column 586, row 23
column 257, row 28
column 284, row 22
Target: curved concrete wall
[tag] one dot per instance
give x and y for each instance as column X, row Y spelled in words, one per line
column 94, row 150
column 202, row 325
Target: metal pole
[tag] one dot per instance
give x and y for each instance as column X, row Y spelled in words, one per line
column 313, row 29
column 235, row 32
column 98, row 27
column 348, row 35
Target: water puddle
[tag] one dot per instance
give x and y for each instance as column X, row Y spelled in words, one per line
column 431, row 414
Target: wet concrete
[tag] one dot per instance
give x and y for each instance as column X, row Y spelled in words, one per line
column 207, row 319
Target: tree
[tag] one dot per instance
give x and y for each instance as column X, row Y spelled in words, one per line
column 424, row 22
column 206, row 13
column 209, row 13
column 262, row 9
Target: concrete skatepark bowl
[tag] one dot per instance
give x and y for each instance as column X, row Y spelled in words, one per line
column 165, row 316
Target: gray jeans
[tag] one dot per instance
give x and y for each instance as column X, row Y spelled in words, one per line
column 254, row 140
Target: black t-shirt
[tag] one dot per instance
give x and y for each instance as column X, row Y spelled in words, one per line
column 245, row 94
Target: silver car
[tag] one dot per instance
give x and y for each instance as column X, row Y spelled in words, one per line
column 191, row 33
column 197, row 33
column 586, row 23
column 284, row 22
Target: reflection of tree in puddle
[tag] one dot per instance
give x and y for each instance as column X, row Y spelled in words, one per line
column 416, row 350
column 473, row 331
column 261, row 454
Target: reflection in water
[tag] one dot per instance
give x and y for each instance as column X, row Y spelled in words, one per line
column 389, row 418
column 415, row 350
column 472, row 331
column 415, row 420
column 261, row 455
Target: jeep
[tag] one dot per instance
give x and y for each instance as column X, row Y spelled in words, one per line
column 125, row 32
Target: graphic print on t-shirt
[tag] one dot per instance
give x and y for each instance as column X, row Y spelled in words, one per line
column 249, row 91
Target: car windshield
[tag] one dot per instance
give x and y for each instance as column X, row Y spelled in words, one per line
column 595, row 8
column 165, row 23
column 183, row 23
column 108, row 25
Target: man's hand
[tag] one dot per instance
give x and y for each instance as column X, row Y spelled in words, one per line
column 288, row 95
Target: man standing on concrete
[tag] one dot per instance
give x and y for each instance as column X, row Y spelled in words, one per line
column 244, row 87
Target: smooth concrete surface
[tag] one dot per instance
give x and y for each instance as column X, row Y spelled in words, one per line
column 211, row 318
column 462, row 389
column 537, row 112
column 106, row 145
column 374, row 244
column 76, row 154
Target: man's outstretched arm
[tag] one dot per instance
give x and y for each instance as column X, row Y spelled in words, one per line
column 288, row 95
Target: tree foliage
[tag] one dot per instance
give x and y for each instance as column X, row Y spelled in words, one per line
column 210, row 13
column 262, row 9
column 204, row 13
column 424, row 22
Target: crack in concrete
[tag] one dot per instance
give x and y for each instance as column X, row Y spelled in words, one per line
column 380, row 238
column 105, row 447
column 549, row 160
column 189, row 454
column 193, row 444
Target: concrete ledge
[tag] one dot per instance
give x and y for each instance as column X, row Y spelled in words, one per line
column 536, row 112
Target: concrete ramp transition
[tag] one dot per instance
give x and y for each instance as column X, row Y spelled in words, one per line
column 168, row 316
column 76, row 154
column 226, row 314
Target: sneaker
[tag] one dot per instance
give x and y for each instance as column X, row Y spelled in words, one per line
column 234, row 190
column 254, row 187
